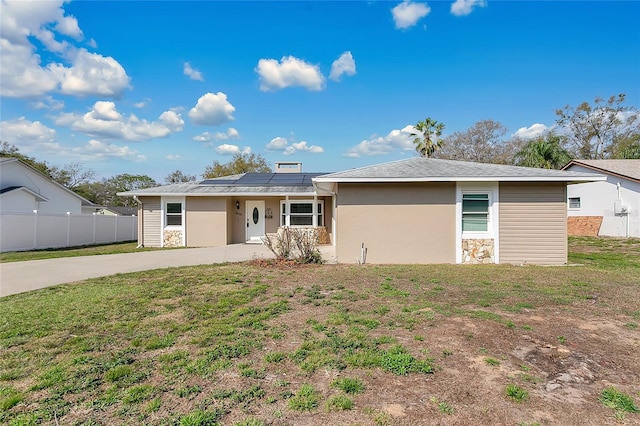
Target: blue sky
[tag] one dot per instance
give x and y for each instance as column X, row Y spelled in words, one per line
column 150, row 87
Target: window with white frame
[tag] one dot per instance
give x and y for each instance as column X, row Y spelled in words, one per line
column 300, row 213
column 475, row 212
column 574, row 203
column 174, row 214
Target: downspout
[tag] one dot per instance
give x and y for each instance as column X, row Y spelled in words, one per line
column 141, row 221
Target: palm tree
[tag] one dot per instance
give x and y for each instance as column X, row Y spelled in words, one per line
column 543, row 153
column 427, row 136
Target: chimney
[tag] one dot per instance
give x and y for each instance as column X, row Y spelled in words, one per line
column 288, row 167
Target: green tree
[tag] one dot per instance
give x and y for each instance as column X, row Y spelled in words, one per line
column 240, row 163
column 427, row 136
column 104, row 192
column 178, row 176
column 627, row 148
column 544, row 152
column 594, row 130
column 9, row 150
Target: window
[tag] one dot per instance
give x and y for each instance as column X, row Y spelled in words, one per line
column 475, row 212
column 574, row 203
column 174, row 214
column 300, row 213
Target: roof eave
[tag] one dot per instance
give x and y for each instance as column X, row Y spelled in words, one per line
column 225, row 194
column 592, row 178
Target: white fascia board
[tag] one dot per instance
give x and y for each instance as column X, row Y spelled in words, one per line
column 226, row 194
column 576, row 179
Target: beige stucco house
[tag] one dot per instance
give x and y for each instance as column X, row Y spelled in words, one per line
column 418, row 210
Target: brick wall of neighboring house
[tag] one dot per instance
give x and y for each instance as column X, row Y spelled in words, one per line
column 587, row 226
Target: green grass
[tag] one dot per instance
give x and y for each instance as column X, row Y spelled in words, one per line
column 213, row 344
column 306, row 399
column 619, row 401
column 516, row 393
column 20, row 256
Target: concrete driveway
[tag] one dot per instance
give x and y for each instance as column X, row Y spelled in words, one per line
column 18, row 277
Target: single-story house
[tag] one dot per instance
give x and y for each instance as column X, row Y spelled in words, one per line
column 607, row 208
column 24, row 189
column 418, row 210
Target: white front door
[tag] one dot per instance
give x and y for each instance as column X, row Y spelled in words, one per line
column 254, row 216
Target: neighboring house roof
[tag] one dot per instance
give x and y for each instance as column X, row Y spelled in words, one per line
column 7, row 160
column 420, row 169
column 35, row 195
column 122, row 211
column 239, row 185
column 628, row 169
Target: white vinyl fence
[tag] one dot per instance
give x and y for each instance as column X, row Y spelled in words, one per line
column 30, row 231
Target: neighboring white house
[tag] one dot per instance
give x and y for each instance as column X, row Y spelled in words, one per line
column 24, row 189
column 606, row 208
column 37, row 212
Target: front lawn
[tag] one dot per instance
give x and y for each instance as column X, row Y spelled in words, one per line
column 249, row 344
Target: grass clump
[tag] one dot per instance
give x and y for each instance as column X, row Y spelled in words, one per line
column 339, row 403
column 619, row 401
column 398, row 361
column 348, row 385
column 492, row 361
column 516, row 393
column 306, row 399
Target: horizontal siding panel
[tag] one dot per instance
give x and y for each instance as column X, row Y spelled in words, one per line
column 533, row 224
column 151, row 222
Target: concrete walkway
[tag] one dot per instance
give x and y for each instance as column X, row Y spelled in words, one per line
column 19, row 277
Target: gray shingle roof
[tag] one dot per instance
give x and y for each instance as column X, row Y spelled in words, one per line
column 625, row 168
column 431, row 169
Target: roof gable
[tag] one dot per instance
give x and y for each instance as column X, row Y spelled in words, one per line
column 628, row 169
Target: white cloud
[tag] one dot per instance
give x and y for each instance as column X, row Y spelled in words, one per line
column 70, row 70
column 33, row 136
column 290, row 71
column 343, row 65
column 141, row 104
column 93, row 74
column 228, row 149
column 282, row 144
column 172, row 157
column 465, row 7
column 48, row 103
column 531, row 132
column 97, row 150
column 277, row 144
column 396, row 140
column 105, row 121
column 212, row 110
column 407, row 13
column 231, row 133
column 23, row 132
column 192, row 73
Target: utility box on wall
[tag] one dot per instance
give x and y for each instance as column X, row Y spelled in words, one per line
column 620, row 208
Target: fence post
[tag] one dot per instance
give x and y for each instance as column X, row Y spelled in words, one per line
column 35, row 229
column 68, row 228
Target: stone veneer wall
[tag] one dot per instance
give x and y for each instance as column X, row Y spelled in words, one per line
column 172, row 238
column 477, row 251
